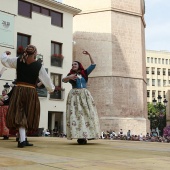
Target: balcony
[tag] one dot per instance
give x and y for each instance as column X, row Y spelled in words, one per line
column 57, row 95
column 147, row 72
column 164, row 73
column 158, row 72
column 153, row 72
column 57, row 60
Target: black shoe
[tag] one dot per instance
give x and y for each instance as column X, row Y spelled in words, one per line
column 82, row 141
column 17, row 139
column 27, row 143
column 21, row 144
column 6, row 138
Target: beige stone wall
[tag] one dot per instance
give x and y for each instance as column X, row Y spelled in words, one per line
column 95, row 5
column 115, row 39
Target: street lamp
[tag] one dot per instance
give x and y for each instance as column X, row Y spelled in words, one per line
column 159, row 98
column 154, row 102
column 7, row 87
column 165, row 102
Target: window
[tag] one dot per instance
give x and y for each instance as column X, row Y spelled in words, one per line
column 36, row 8
column 168, row 81
column 159, row 82
column 22, row 41
column 24, row 8
column 164, row 94
column 148, row 60
column 166, row 61
column 151, row 60
column 148, row 93
column 56, row 50
column 164, row 82
column 168, row 72
column 159, row 61
column 153, row 82
column 155, row 60
column 45, row 11
column 169, row 61
column 147, row 70
column 56, row 79
column 56, row 18
column 159, row 93
column 153, row 70
column 147, row 82
column 158, row 71
column 153, row 93
column 164, row 71
column 162, row 61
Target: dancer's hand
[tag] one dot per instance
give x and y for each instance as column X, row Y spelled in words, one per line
column 73, row 77
column 8, row 53
column 86, row 53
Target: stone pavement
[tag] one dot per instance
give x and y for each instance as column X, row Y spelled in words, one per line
column 51, row 153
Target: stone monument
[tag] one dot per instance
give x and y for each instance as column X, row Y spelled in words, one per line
column 113, row 31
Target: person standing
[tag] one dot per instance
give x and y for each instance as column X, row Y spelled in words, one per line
column 24, row 107
column 81, row 113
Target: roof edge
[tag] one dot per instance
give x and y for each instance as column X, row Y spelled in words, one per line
column 59, row 5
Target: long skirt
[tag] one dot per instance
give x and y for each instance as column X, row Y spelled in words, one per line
column 81, row 115
column 4, row 131
column 24, row 109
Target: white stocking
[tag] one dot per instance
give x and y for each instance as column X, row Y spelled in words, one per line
column 22, row 134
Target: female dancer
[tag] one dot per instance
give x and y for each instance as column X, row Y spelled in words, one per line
column 24, row 107
column 82, row 118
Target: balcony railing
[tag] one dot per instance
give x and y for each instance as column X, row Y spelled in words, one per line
column 147, row 72
column 158, row 72
column 153, row 72
column 59, row 95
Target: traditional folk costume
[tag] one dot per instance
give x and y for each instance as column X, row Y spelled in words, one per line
column 4, row 131
column 24, row 107
column 81, row 114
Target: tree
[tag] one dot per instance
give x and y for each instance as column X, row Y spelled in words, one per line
column 157, row 116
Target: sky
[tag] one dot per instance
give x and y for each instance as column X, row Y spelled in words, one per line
column 157, row 18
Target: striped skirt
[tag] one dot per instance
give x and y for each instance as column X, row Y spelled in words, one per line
column 81, row 115
column 24, row 109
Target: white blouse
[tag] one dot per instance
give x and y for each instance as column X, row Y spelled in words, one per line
column 11, row 62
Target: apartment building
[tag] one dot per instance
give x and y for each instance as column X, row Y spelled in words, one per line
column 158, row 74
column 48, row 25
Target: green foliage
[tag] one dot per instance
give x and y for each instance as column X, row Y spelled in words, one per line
column 156, row 110
column 157, row 115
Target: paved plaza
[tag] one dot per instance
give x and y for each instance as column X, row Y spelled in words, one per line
column 52, row 153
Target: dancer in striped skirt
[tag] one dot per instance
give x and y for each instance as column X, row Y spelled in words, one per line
column 24, row 107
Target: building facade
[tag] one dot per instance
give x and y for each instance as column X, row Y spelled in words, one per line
column 158, row 74
column 113, row 31
column 158, row 77
column 48, row 25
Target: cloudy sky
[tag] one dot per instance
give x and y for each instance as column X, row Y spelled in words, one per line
column 157, row 18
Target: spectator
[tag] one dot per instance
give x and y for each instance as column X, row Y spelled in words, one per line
column 128, row 135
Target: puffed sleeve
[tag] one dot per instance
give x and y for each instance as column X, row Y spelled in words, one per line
column 46, row 80
column 10, row 62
